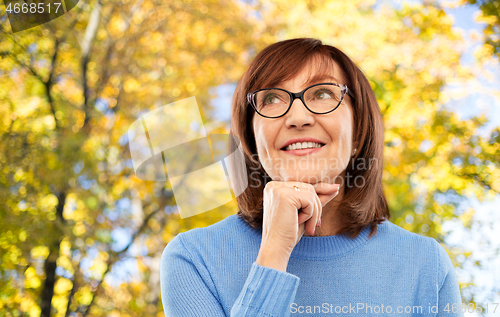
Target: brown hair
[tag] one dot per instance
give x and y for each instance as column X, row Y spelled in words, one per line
column 360, row 206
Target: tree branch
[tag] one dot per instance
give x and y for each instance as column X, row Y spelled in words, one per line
column 27, row 67
column 50, row 83
column 110, row 48
column 73, row 290
column 88, row 41
column 114, row 256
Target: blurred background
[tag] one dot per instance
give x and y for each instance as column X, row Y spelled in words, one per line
column 81, row 235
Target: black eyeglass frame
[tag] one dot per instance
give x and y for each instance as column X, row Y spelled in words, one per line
column 299, row 95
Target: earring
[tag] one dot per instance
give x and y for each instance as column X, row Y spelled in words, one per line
column 354, row 152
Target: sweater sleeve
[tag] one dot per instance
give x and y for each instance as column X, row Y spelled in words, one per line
column 185, row 291
column 267, row 292
column 187, row 288
column 449, row 298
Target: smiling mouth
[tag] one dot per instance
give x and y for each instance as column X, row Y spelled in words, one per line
column 307, row 146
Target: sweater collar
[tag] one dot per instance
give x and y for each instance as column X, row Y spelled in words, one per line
column 325, row 247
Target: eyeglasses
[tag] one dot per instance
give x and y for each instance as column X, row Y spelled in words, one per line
column 319, row 99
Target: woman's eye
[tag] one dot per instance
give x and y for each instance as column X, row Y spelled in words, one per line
column 271, row 99
column 324, row 95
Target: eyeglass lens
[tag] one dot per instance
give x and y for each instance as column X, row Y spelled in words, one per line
column 319, row 99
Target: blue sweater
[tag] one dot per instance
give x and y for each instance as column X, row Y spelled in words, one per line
column 212, row 272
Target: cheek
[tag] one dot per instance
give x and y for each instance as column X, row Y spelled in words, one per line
column 260, row 137
column 264, row 134
column 341, row 132
column 257, row 133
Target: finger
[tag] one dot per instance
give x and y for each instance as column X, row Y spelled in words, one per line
column 320, row 211
column 326, row 192
column 302, row 228
column 311, row 224
column 306, row 212
column 317, row 209
column 306, row 205
column 325, row 188
column 315, row 218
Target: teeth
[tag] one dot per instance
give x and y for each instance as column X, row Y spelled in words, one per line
column 303, row 145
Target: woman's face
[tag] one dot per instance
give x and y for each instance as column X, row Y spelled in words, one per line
column 334, row 130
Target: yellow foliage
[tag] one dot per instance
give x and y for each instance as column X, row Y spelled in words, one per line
column 84, row 295
column 131, row 85
column 79, row 229
column 467, row 217
column 40, row 251
column 99, row 266
column 65, row 263
column 30, row 306
column 63, row 286
column 32, row 279
column 22, row 235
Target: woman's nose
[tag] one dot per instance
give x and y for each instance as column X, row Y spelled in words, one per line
column 298, row 115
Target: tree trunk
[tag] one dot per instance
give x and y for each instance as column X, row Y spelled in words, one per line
column 51, row 264
column 50, row 281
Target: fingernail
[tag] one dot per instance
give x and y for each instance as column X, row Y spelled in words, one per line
column 314, row 232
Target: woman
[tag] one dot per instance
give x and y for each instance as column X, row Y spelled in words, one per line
column 311, row 236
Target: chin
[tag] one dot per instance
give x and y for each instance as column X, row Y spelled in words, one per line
column 304, row 177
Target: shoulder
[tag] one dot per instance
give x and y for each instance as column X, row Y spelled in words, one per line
column 389, row 230
column 424, row 249
column 418, row 247
column 446, row 268
column 229, row 229
column 227, row 234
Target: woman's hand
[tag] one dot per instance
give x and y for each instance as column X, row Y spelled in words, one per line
column 288, row 213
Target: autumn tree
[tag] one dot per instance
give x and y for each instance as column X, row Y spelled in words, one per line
column 490, row 14
column 69, row 91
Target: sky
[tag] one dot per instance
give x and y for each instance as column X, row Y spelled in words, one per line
column 481, row 98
